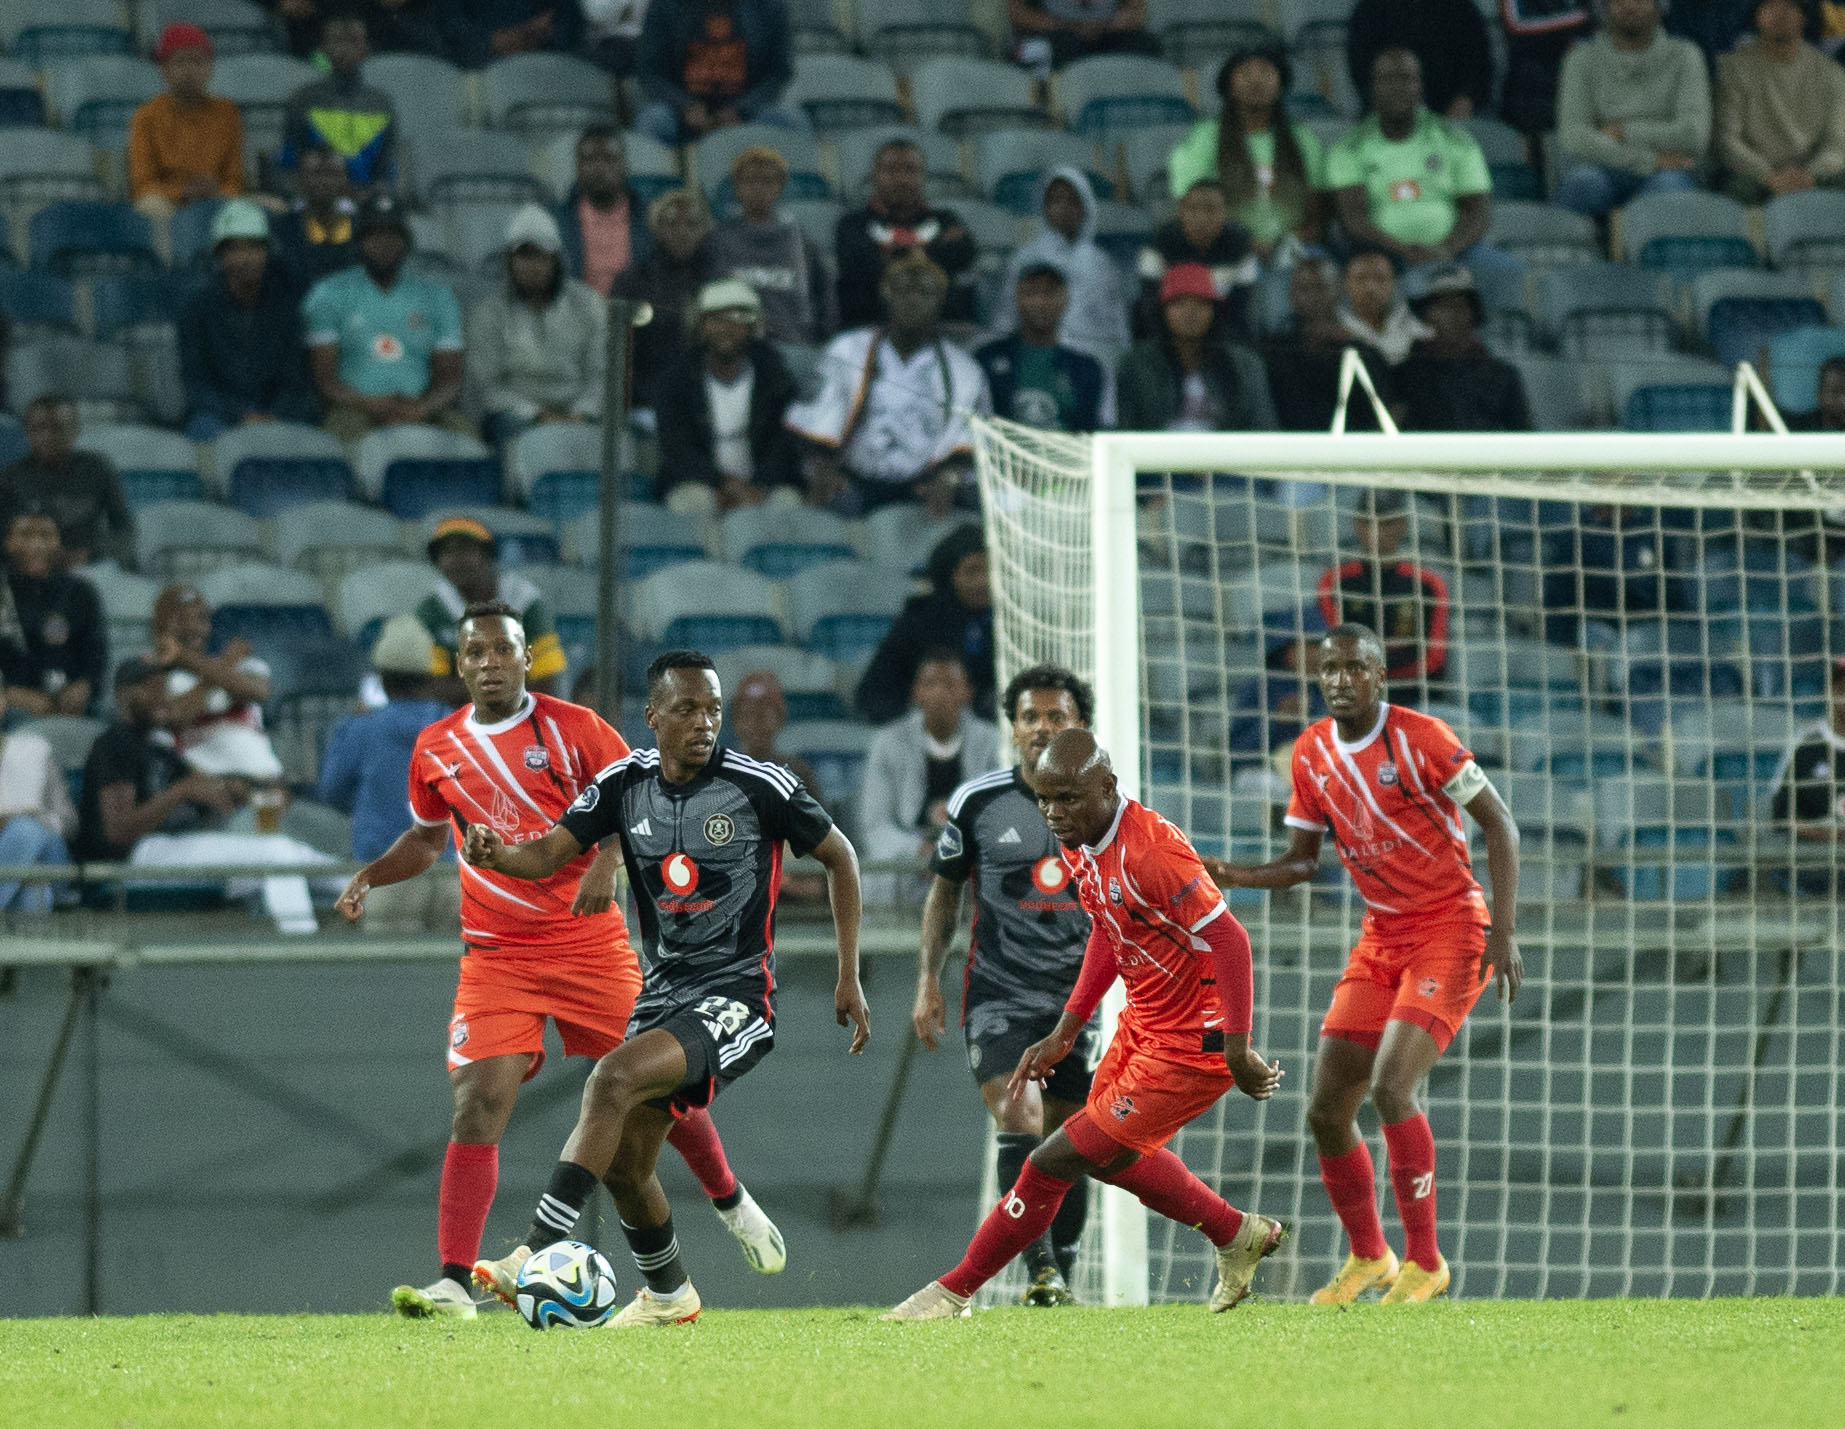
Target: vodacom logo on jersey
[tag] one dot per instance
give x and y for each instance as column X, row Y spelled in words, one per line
column 680, row 874
column 1050, row 875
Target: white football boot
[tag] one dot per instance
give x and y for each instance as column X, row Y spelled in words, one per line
column 648, row 1310
column 762, row 1243
column 935, row 1301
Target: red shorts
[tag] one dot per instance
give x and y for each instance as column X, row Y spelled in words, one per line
column 1142, row 1098
column 503, row 1001
column 1425, row 973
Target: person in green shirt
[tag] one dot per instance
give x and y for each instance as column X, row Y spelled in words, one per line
column 1410, row 182
column 1273, row 172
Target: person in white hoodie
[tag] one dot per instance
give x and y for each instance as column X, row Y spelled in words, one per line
column 1096, row 321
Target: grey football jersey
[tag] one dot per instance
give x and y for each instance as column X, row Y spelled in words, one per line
column 1029, row 929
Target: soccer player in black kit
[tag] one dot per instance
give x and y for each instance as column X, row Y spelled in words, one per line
column 1026, row 951
column 701, row 832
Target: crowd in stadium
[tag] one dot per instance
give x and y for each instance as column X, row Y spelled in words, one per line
column 285, row 327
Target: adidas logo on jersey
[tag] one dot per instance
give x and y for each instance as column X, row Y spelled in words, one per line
column 1011, row 836
column 642, row 830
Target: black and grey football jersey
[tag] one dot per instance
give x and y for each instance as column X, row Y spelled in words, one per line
column 704, row 859
column 1029, row 929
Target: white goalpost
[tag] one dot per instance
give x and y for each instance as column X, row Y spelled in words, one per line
column 1633, row 630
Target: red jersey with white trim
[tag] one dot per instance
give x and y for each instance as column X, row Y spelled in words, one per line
column 517, row 777
column 1145, row 887
column 1392, row 802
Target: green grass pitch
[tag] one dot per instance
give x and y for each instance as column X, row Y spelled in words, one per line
column 1562, row 1363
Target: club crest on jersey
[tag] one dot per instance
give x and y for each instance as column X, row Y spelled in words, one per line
column 537, row 757
column 1387, row 774
column 949, row 845
column 588, row 799
column 719, row 830
column 1114, row 891
column 1122, row 1107
column 1050, row 875
column 1428, row 987
column 458, row 1034
column 679, row 874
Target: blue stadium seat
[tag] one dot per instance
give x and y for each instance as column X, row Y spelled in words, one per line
column 39, row 166
column 809, row 681
column 1794, row 360
column 841, row 91
column 905, row 32
column 40, row 33
column 97, row 95
column 36, row 301
column 124, row 301
column 708, row 606
column 22, row 106
column 415, row 486
column 1543, row 235
column 266, row 486
column 1608, row 311
column 963, row 97
column 431, row 94
column 652, row 538
column 1806, row 231
column 1687, row 233
column 1104, row 97
column 1012, row 162
column 836, row 749
column 1740, row 310
column 1673, row 395
column 816, row 28
column 370, row 595
column 778, row 542
column 843, row 609
column 543, row 92
column 153, row 464
column 12, row 439
column 79, row 238
column 1514, row 179
column 377, row 449
column 1201, row 34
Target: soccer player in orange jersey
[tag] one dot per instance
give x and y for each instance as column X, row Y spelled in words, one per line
column 1159, row 924
column 1390, row 785
column 514, row 761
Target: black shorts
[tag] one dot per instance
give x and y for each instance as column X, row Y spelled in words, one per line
column 997, row 1036
column 724, row 1034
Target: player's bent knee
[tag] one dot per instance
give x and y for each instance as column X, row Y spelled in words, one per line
column 1394, row 1103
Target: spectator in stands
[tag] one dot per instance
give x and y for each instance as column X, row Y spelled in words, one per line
column 1034, row 378
column 240, row 354
column 897, row 219
column 1202, row 232
column 54, row 644
column 756, row 713
column 341, row 112
column 466, row 554
column 186, row 145
column 890, row 421
column 477, row 32
column 708, row 64
column 1829, row 414
column 36, row 815
column 1450, row 382
column 1808, row 792
column 1405, row 602
column 1272, row 709
column 1185, row 379
column 612, row 33
column 314, row 235
column 79, row 490
column 1048, row 34
column 214, row 702
column 1374, row 312
column 1303, row 362
column 956, row 612
column 774, row 257
column 384, row 343
column 1096, row 320
column 722, row 439
column 1448, row 39
column 1538, row 33
column 541, row 340
column 1607, row 568
column 1633, row 112
column 601, row 220
column 914, row 764
column 1409, row 181
column 1780, row 110
column 1273, row 172
column 135, row 782
column 394, row 25
column 667, row 278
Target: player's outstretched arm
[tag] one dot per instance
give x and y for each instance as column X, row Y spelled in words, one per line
column 930, row 1014
column 1294, row 866
column 596, row 889
column 532, row 861
column 415, row 849
column 840, row 860
column 1501, row 961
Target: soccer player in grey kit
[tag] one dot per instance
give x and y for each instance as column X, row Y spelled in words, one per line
column 1026, row 950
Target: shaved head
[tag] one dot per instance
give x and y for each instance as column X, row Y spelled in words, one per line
column 1073, row 755
column 1075, row 785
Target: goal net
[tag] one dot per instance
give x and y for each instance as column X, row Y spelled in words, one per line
column 1632, row 635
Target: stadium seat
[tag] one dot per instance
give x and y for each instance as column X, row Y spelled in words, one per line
column 1806, row 231
column 781, row 541
column 128, row 603
column 22, row 106
column 1729, row 739
column 837, row 750
column 1687, row 232
column 712, row 156
column 310, row 697
column 12, row 440
column 1121, row 231
column 260, row 85
column 98, row 376
column 856, row 150
column 905, row 33
column 153, row 464
column 1794, row 360
column 236, row 27
column 135, row 307
column 329, row 538
column 840, row 91
column 1543, row 235
column 1145, row 153
column 1509, row 680
column 1574, row 744
column 1316, row 35
column 371, row 595
column 1608, row 311
column 482, row 165
column 95, row 96
column 1012, row 162
column 1740, row 311
column 816, row 28
column 183, row 540
column 900, row 537
column 555, row 469
column 256, row 583
column 1514, row 180
column 431, row 95
column 289, row 441
column 522, row 538
column 378, row 449
column 810, row 682
column 40, row 166
column 84, row 238
column 842, row 609
column 1672, row 394
column 42, row 32
column 1201, row 34
column 652, row 538
column 708, row 607
column 37, row 304
column 963, row 97
column 543, row 92
column 1105, row 97
column 267, row 486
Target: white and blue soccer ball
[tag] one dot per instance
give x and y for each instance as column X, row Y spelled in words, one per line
column 566, row 1286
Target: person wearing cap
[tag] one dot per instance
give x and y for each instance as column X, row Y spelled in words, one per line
column 720, row 410
column 367, row 767
column 1807, row 793
column 602, row 219
column 384, row 342
column 466, row 554
column 36, row 814
column 775, row 258
column 186, row 145
column 709, row 64
column 1096, row 320
column 668, row 279
column 54, row 643
column 1780, row 109
column 340, row 112
column 314, row 235
column 890, row 423
column 539, row 342
column 240, row 351
column 1393, row 594
column 214, row 702
column 896, row 218
column 1034, row 378
column 1450, row 382
column 1186, row 379
column 1201, row 232
column 80, row 490
column 1447, row 36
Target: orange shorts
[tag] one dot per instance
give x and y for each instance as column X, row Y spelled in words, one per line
column 1142, row 1099
column 503, row 1001
column 1428, row 974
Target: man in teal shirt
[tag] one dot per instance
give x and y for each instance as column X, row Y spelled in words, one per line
column 1410, row 182
column 384, row 344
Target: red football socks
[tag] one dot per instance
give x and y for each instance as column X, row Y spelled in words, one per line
column 1412, row 1172
column 694, row 1136
column 1163, row 1183
column 1351, row 1185
column 470, row 1174
column 1023, row 1214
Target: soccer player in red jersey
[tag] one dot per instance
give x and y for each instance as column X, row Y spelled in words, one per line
column 514, row 761
column 1158, row 923
column 1390, row 785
